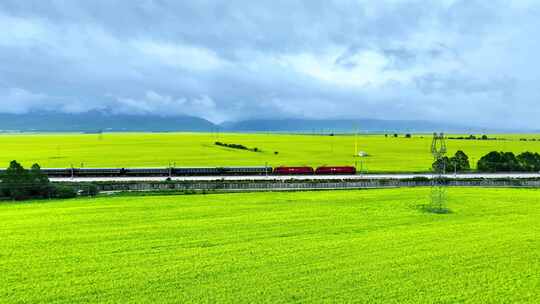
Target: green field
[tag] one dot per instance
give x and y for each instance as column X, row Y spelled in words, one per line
column 198, row 149
column 343, row 246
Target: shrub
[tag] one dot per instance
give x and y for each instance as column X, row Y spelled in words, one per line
column 62, row 191
column 89, row 190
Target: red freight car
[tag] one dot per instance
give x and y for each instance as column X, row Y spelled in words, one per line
column 345, row 170
column 293, row 170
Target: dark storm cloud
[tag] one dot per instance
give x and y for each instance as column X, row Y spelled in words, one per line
column 224, row 60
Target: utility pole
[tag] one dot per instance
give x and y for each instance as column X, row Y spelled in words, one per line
column 332, row 142
column 356, row 141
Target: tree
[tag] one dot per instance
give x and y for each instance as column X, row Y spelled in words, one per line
column 499, row 162
column 510, row 162
column 459, row 162
column 408, row 135
column 441, row 165
column 19, row 184
column 489, row 162
column 529, row 161
column 40, row 184
column 16, row 182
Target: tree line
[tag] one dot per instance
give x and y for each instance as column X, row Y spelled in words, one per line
column 235, row 146
column 492, row 162
column 18, row 183
column 507, row 161
column 474, row 137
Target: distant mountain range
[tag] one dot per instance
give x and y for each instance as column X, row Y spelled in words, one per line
column 97, row 121
column 341, row 126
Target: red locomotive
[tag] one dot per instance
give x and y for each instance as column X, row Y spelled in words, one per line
column 344, row 170
column 294, row 171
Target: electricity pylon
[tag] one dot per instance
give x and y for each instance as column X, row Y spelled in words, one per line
column 438, row 183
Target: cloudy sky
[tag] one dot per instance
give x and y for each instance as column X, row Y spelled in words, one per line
column 467, row 61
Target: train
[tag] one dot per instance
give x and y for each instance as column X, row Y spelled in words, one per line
column 196, row 171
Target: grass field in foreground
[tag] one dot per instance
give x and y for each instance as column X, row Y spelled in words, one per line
column 198, row 149
column 342, row 246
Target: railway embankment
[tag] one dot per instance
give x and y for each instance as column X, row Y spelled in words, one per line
column 283, row 185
